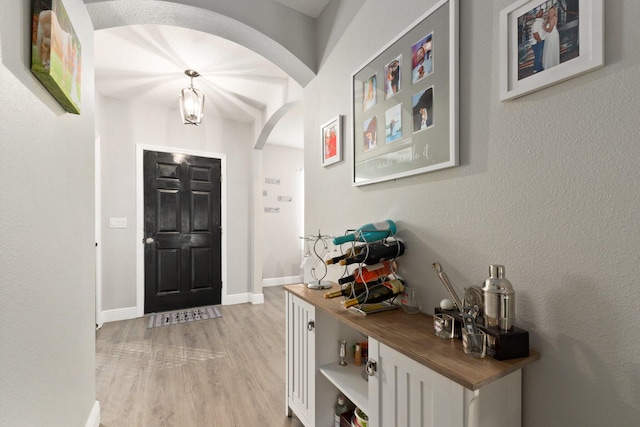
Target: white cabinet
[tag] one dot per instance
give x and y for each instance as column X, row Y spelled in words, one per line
column 454, row 390
column 314, row 378
column 410, row 394
column 300, row 359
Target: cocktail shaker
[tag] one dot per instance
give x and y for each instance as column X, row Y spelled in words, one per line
column 499, row 300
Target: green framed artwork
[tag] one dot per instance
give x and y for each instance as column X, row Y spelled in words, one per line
column 56, row 53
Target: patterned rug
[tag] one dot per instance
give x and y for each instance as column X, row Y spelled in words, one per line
column 183, row 316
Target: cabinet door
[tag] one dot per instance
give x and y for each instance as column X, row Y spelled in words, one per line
column 410, row 394
column 300, row 357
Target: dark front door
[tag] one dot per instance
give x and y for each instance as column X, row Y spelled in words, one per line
column 182, row 231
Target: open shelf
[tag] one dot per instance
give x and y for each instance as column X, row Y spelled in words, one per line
column 348, row 379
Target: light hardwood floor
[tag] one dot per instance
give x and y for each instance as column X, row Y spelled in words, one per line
column 222, row 372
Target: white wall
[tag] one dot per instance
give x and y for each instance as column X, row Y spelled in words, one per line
column 548, row 186
column 121, row 126
column 282, row 245
column 47, row 273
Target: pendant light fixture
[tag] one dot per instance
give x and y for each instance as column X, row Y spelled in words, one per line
column 191, row 102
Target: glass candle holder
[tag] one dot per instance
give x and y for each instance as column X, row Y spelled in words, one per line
column 474, row 344
column 444, row 325
column 411, row 300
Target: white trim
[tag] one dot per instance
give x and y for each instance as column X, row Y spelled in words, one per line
column 140, row 148
column 118, row 314
column 245, row 298
column 94, row 416
column 257, row 299
column 238, row 298
column 98, row 232
column 277, row 281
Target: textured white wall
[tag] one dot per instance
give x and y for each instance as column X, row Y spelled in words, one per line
column 47, row 266
column 548, row 185
column 282, row 230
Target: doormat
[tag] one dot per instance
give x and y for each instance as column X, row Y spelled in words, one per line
column 183, row 316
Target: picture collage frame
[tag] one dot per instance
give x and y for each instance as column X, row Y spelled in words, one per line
column 405, row 101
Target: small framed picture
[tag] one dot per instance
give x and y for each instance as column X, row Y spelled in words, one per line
column 393, row 123
column 393, row 77
column 370, row 133
column 422, row 109
column 422, row 58
column 370, row 92
column 543, row 43
column 331, row 141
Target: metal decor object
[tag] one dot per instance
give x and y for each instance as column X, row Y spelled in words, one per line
column 499, row 300
column 447, row 284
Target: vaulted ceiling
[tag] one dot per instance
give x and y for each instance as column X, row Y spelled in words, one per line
column 146, row 62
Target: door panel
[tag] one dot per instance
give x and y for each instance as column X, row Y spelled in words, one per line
column 201, row 268
column 182, row 231
column 200, row 213
column 168, row 277
column 169, row 205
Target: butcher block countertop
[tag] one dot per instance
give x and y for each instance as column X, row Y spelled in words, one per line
column 413, row 336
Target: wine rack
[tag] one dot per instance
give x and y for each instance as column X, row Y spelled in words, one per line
column 363, row 245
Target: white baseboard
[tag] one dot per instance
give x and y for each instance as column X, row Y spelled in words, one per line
column 119, row 314
column 277, row 281
column 244, row 298
column 257, row 298
column 237, row 299
column 132, row 312
column 94, row 416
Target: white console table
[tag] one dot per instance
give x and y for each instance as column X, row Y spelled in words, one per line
column 419, row 378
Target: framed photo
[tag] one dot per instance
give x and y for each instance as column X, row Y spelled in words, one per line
column 543, row 43
column 422, row 58
column 393, row 81
column 56, row 53
column 331, row 141
column 405, row 101
column 369, row 92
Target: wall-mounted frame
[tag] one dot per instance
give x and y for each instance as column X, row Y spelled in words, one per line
column 571, row 43
column 405, row 101
column 56, row 53
column 331, row 141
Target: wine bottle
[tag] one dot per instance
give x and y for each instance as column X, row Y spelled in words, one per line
column 368, row 233
column 377, row 253
column 377, row 293
column 352, row 251
column 351, row 288
column 368, row 273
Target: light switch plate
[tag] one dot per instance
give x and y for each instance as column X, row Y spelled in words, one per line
column 117, row 222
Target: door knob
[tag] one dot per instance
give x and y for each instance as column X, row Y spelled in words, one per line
column 311, row 325
column 149, row 240
column 371, row 367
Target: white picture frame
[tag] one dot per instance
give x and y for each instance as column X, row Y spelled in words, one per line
column 580, row 34
column 331, row 141
column 424, row 136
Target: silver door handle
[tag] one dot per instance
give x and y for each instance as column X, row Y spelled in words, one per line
column 371, row 367
column 148, row 240
column 311, row 325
